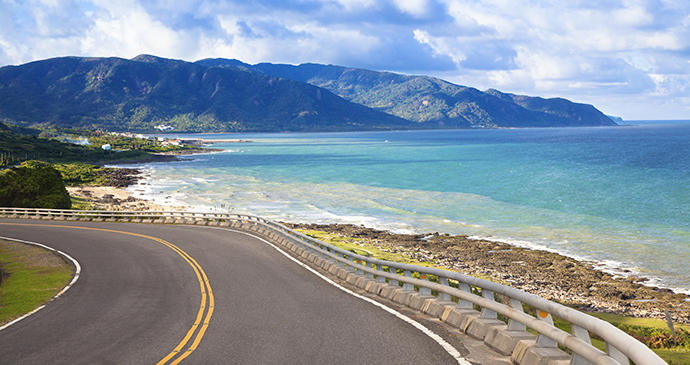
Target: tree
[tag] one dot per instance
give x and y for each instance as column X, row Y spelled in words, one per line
column 34, row 184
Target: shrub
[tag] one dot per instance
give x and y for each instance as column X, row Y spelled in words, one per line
column 34, row 184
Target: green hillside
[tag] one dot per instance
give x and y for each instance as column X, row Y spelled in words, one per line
column 219, row 95
column 136, row 95
column 430, row 101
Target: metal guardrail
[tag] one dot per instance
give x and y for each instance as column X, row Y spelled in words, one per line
column 461, row 291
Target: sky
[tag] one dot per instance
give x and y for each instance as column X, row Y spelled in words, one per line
column 628, row 58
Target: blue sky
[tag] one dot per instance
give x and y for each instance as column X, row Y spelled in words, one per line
column 628, row 58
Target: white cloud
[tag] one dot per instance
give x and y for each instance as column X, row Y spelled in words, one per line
column 124, row 29
column 416, row 8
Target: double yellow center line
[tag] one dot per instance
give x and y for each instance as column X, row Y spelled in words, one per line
column 207, row 301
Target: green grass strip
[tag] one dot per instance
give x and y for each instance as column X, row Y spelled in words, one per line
column 32, row 276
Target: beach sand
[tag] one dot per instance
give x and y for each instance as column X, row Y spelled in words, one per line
column 118, row 199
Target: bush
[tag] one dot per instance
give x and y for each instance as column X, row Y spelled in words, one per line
column 34, row 184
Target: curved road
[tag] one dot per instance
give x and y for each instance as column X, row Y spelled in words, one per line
column 141, row 291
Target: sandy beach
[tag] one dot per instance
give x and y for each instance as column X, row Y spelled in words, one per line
column 117, row 199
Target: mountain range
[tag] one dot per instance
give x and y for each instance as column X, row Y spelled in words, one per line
column 221, row 95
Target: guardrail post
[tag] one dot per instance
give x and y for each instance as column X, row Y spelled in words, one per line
column 514, row 325
column 464, row 304
column 359, row 262
column 367, row 275
column 543, row 341
column 616, row 354
column 340, row 263
column 444, row 296
column 379, row 278
column 407, row 286
column 582, row 334
column 488, row 313
column 424, row 290
column 393, row 271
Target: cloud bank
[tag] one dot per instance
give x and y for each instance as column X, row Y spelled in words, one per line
column 627, row 57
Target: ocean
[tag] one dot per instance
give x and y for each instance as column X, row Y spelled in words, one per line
column 615, row 196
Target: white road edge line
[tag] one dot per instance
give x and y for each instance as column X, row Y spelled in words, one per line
column 77, row 272
column 446, row 346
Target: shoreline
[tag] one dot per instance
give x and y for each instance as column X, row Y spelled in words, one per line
column 160, row 157
column 579, row 284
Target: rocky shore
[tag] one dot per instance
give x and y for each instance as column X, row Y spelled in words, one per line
column 546, row 274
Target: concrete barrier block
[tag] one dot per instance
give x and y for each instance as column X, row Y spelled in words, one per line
column 505, row 341
column 352, row 278
column 435, row 307
column 374, row 287
column 479, row 327
column 56, row 218
column 459, row 318
column 388, row 291
column 417, row 301
column 362, row 282
column 326, row 264
column 71, row 218
column 334, row 269
column 344, row 273
column 527, row 353
column 404, row 296
column 213, row 223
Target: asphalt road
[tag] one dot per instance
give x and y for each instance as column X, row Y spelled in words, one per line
column 141, row 290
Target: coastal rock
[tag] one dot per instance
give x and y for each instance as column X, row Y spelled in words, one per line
column 120, row 177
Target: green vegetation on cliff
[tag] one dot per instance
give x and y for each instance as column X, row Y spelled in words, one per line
column 33, row 184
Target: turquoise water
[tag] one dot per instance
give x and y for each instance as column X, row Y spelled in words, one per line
column 615, row 196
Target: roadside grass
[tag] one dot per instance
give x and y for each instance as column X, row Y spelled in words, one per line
column 358, row 246
column 81, row 203
column 32, row 277
column 652, row 332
